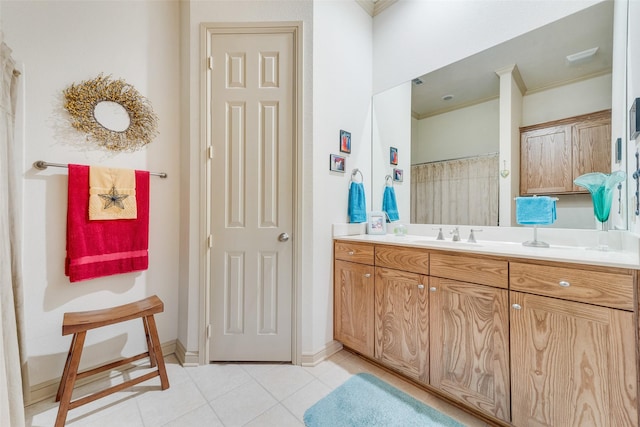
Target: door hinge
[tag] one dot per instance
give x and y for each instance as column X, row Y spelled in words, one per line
column 210, row 151
column 208, row 331
column 210, row 62
column 210, row 240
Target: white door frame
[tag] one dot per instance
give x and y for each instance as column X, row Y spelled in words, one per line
column 207, row 29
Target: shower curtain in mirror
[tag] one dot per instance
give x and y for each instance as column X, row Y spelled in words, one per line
column 461, row 191
column 11, row 364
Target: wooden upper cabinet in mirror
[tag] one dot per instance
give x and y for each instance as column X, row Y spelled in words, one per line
column 553, row 154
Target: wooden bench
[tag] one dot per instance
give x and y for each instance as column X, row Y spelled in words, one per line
column 78, row 323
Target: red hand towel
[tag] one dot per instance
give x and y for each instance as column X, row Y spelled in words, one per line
column 104, row 247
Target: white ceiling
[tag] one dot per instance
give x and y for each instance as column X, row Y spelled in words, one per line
column 540, row 57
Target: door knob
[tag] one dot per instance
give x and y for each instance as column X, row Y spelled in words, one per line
column 283, row 237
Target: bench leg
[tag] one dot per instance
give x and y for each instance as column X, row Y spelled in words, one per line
column 157, row 352
column 69, row 377
column 152, row 355
column 65, row 373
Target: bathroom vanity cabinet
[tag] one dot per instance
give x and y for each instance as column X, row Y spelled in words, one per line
column 553, row 154
column 353, row 296
column 573, row 346
column 516, row 341
column 469, row 331
column 402, row 311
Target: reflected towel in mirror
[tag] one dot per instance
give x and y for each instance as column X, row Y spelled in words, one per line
column 389, row 204
column 535, row 210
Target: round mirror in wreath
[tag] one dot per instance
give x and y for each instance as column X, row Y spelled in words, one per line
column 112, row 113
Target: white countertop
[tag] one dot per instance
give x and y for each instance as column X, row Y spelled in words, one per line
column 559, row 253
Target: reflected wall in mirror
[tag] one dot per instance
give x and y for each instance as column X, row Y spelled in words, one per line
column 460, row 116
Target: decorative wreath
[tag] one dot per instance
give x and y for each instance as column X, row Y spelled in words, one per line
column 81, row 101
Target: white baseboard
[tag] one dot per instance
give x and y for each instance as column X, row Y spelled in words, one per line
column 312, row 359
column 49, row 389
column 186, row 358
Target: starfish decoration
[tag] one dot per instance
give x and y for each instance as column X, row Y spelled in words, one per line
column 113, row 198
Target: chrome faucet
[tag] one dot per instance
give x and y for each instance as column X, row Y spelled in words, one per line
column 472, row 237
column 440, row 236
column 456, row 234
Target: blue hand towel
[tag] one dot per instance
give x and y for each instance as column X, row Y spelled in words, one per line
column 535, row 210
column 357, row 210
column 389, row 204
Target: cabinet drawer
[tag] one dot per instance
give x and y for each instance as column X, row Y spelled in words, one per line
column 608, row 289
column 355, row 252
column 406, row 259
column 484, row 271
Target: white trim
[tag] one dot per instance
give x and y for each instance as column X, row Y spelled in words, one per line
column 206, row 29
column 312, row 359
column 186, row 358
column 374, row 7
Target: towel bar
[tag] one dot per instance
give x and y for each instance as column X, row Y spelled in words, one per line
column 42, row 165
column 353, row 174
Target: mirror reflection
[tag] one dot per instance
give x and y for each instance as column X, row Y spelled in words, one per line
column 112, row 116
column 563, row 74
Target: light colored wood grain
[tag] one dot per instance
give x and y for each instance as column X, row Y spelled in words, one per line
column 354, row 306
column 469, row 342
column 408, row 259
column 545, row 161
column 594, row 287
column 591, row 146
column 573, row 364
column 354, row 252
column 402, row 330
column 553, row 154
column 485, row 271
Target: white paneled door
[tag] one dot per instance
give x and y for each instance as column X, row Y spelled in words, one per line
column 251, row 82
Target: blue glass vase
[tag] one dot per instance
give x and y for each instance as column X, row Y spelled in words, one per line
column 601, row 186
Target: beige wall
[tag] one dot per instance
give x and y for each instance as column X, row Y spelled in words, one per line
column 56, row 44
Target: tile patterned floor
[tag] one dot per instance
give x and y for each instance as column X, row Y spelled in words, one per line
column 224, row 395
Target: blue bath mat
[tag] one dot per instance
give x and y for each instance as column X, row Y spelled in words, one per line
column 364, row 400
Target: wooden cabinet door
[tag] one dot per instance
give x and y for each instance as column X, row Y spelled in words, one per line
column 354, row 306
column 469, row 330
column 401, row 322
column 572, row 364
column 545, row 161
column 591, row 147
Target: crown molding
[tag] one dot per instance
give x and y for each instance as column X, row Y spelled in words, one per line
column 374, row 7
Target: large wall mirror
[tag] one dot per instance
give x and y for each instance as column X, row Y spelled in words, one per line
column 565, row 69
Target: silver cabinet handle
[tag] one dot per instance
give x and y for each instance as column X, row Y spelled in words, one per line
column 432, row 289
column 564, row 283
column 283, row 237
column 420, row 286
column 367, row 275
column 350, row 252
column 516, row 306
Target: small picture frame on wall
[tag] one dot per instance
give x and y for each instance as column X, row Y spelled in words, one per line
column 397, row 175
column 336, row 163
column 345, row 141
column 393, row 155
